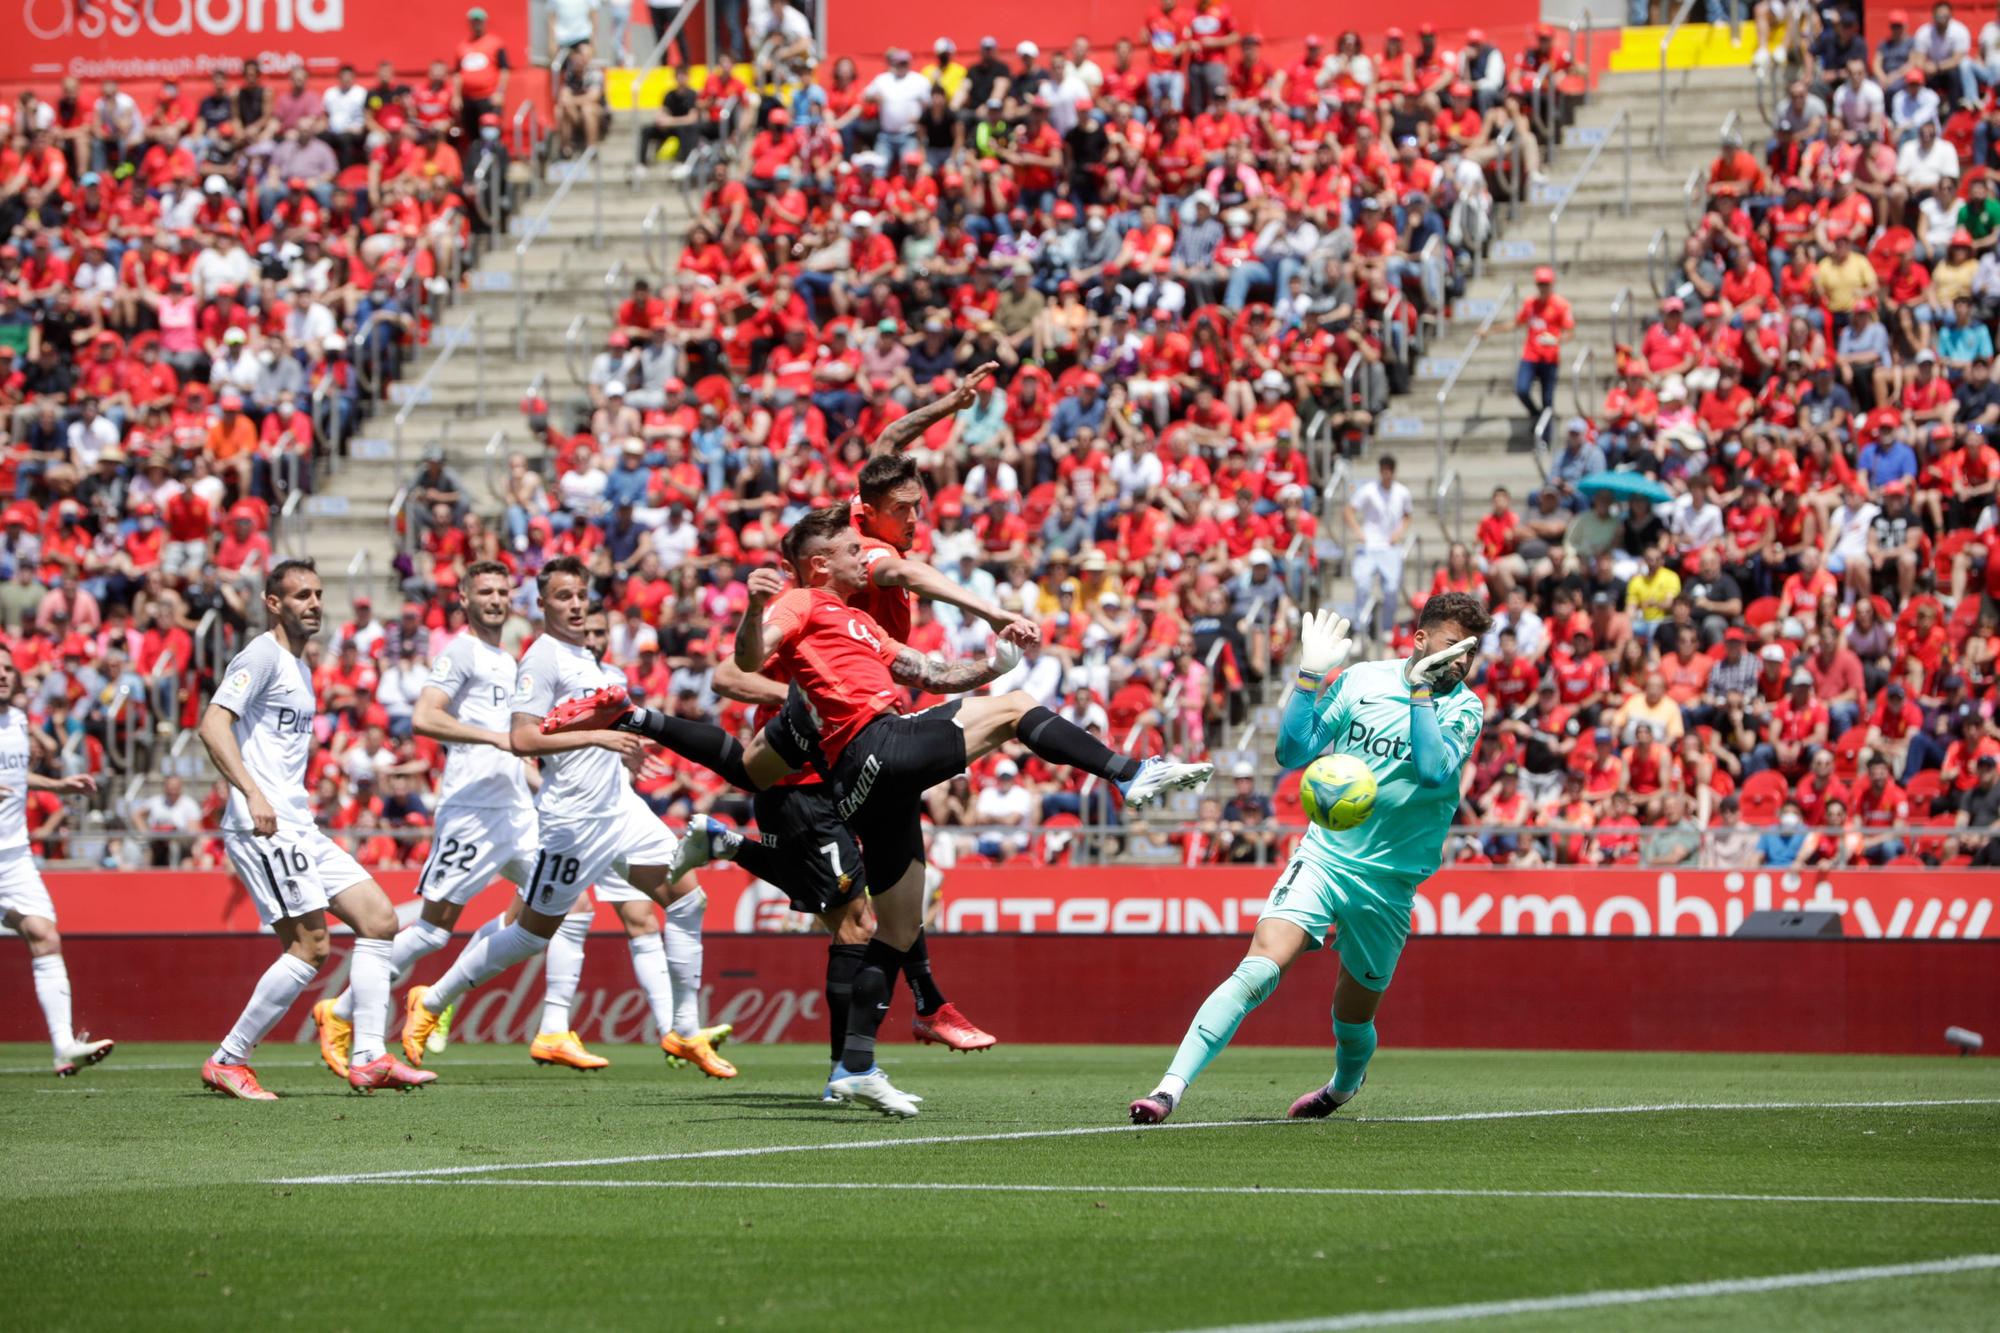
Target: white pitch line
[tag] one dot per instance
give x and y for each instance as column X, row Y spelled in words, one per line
column 1249, row 1190
column 1597, row 1300
column 929, row 1140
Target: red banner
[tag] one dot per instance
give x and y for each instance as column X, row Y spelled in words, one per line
column 149, row 40
column 1598, row 994
column 1137, row 900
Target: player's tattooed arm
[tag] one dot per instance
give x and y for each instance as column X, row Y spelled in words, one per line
column 934, row 676
column 911, row 426
column 763, row 585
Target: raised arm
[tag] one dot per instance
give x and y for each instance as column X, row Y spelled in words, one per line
column 747, row 687
column 750, row 655
column 934, row 676
column 926, row 582
column 910, row 427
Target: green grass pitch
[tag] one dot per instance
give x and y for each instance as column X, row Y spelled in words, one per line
column 134, row 1199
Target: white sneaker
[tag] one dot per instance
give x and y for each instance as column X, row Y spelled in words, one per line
column 874, row 1091
column 703, row 841
column 82, row 1051
column 1160, row 775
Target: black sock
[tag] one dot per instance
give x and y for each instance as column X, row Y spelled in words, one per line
column 703, row 743
column 842, row 962
column 879, row 964
column 759, row 860
column 917, row 971
column 1062, row 742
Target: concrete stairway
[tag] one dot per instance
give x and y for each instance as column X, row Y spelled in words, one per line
column 1601, row 253
column 509, row 305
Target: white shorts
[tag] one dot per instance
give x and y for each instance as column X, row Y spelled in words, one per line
column 292, row 872
column 612, row 887
column 577, row 853
column 21, row 887
column 473, row 846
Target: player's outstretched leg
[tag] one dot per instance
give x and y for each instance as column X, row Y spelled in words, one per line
column 938, row 1020
column 479, row 962
column 228, row 1070
column 990, row 722
column 1214, row 1024
column 703, row 743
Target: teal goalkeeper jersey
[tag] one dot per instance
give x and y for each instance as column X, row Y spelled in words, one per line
column 1367, row 713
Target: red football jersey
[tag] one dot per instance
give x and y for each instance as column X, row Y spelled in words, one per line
column 889, row 607
column 839, row 655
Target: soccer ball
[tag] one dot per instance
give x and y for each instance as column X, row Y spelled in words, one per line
column 1338, row 792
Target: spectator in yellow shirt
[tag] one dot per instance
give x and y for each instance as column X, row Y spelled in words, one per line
column 1845, row 276
column 1652, row 707
column 1650, row 594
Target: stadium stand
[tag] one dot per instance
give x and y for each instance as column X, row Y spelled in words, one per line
column 1223, row 292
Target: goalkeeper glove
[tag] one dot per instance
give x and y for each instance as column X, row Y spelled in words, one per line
column 1439, row 671
column 1323, row 647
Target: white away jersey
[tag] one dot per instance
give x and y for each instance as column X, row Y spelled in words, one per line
column 576, row 784
column 271, row 693
column 14, row 752
column 478, row 682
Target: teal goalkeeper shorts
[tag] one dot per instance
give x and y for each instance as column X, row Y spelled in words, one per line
column 1368, row 930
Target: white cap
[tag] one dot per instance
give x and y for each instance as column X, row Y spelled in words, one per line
column 943, row 44
column 647, row 639
column 1109, row 598
column 1260, row 556
column 862, row 219
column 233, row 335
column 1242, row 770
column 1028, row 49
column 1271, row 379
column 215, row 185
column 335, row 343
column 615, row 389
column 1771, row 652
column 1006, row 768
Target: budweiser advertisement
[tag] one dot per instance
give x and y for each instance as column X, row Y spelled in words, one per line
column 1136, row 900
column 1610, row 993
column 150, row 40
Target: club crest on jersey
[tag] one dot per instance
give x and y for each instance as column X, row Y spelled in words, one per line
column 857, row 630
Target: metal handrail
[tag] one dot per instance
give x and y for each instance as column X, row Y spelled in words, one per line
column 1583, row 384
column 591, row 161
column 1587, row 25
column 360, row 566
column 614, row 277
column 1280, row 833
column 1694, row 187
column 400, row 507
column 202, row 629
column 456, row 336
column 1666, row 40
column 1544, row 123
column 1623, row 315
column 1450, row 498
column 1623, row 127
column 492, row 453
column 528, row 136
column 1504, row 302
column 1656, row 259
column 653, row 59
column 652, row 238
column 572, row 339
column 292, row 526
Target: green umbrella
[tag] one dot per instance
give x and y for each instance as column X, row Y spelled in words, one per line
column 1627, row 485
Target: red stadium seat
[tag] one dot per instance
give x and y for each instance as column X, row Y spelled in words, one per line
column 1762, row 796
column 1922, row 790
column 1761, row 612
column 1847, row 753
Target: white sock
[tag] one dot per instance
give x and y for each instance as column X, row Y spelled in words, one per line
column 562, row 970
column 1174, row 1086
column 649, row 964
column 283, row 982
column 368, row 979
column 413, row 943
column 683, row 946
column 483, row 960
column 52, row 989
column 486, row 932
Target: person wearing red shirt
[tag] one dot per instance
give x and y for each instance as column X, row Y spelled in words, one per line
column 481, row 75
column 1671, row 346
column 1546, row 317
column 1510, row 678
column 1162, row 32
column 1799, row 725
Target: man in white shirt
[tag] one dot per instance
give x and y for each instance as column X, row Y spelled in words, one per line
column 1004, row 802
column 1942, row 49
column 902, row 94
column 1847, row 531
column 346, row 108
column 1378, row 518
column 1927, row 159
column 258, row 730
column 1858, row 102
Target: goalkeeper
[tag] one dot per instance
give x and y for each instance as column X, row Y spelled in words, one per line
column 1414, row 723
